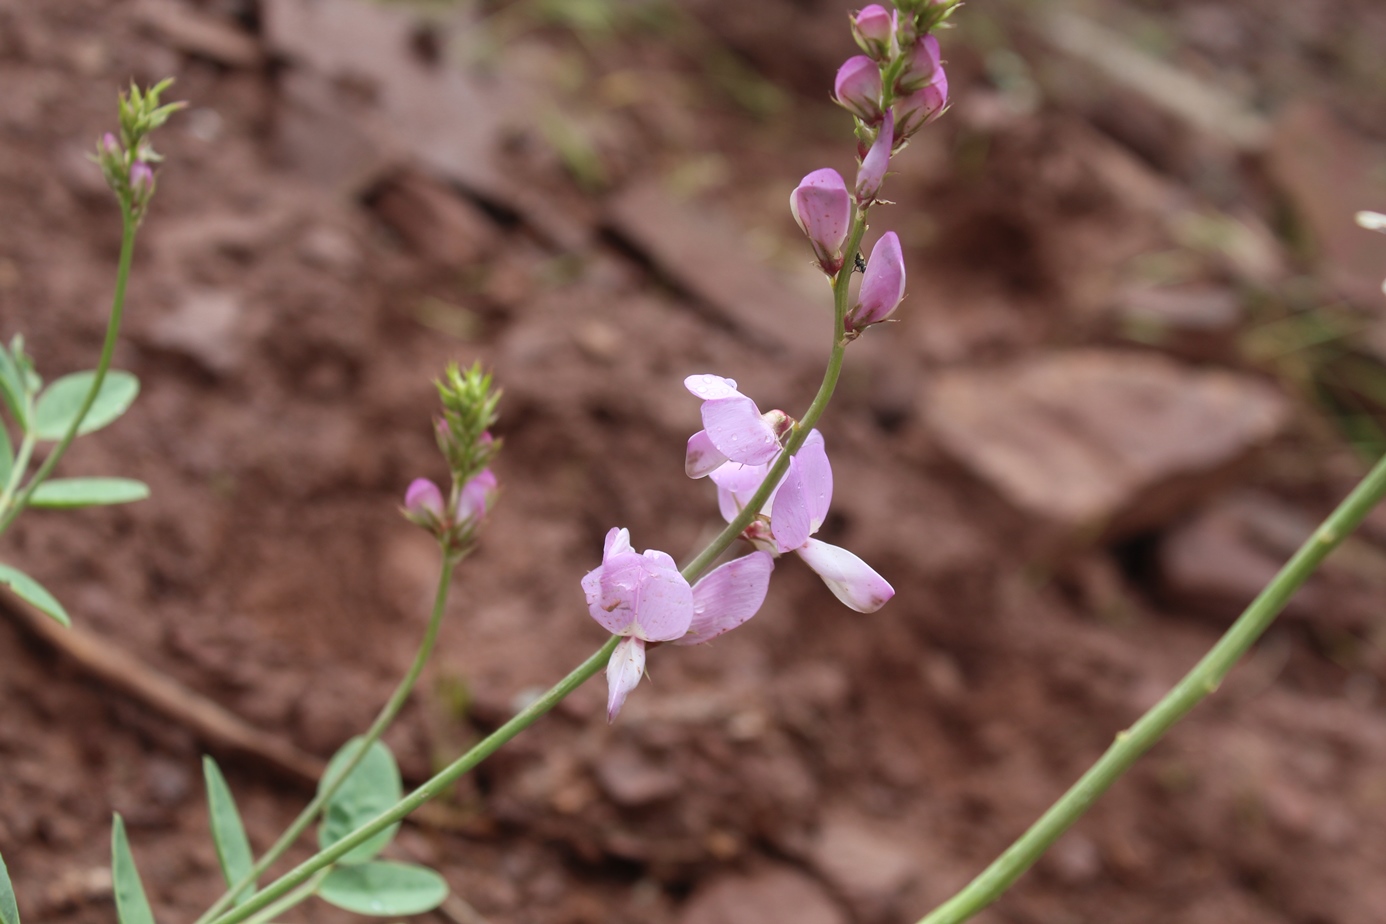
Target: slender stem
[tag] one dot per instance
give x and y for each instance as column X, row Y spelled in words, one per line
column 127, row 255
column 429, row 790
column 329, row 786
column 296, row 897
column 1197, row 684
column 21, row 464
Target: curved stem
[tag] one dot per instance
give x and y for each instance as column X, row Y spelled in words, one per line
column 329, row 787
column 21, row 463
column 127, row 255
column 429, row 790
column 1204, row 679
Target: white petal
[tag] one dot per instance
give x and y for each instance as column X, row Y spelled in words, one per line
column 849, row 578
column 711, row 387
column 623, row 672
column 617, row 542
column 728, row 596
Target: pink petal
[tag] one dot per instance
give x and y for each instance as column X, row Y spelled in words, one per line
column 711, row 387
column 882, row 285
column 849, row 578
column 639, row 595
column 623, row 672
column 789, row 516
column 617, row 542
column 664, row 601
column 737, row 430
column 423, row 499
column 728, row 596
column 702, row 457
column 818, row 478
column 736, row 484
column 871, row 173
column 477, row 497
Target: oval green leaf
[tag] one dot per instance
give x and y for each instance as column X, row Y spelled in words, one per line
column 87, row 492
column 384, row 889
column 228, row 832
column 9, row 911
column 59, row 403
column 372, row 787
column 32, row 592
column 131, row 905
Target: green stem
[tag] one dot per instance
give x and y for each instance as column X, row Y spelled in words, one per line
column 294, row 898
column 21, row 464
column 127, row 255
column 595, row 662
column 1197, row 684
column 382, row 721
column 429, row 790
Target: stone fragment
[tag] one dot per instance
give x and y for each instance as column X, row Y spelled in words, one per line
column 631, row 779
column 867, row 864
column 433, row 220
column 1197, row 321
column 199, row 34
column 1102, row 442
column 771, row 894
column 206, row 327
column 708, row 256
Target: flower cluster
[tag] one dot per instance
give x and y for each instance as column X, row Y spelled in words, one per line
column 126, row 160
column 892, row 91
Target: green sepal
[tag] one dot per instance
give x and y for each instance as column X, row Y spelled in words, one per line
column 132, row 907
column 59, row 403
column 228, row 832
column 61, row 493
column 32, row 592
column 372, row 787
column 384, row 889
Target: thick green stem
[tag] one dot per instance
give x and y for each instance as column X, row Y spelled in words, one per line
column 428, row 791
column 127, row 255
column 382, row 722
column 598, row 660
column 1198, row 683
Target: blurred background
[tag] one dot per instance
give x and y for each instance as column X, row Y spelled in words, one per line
column 1140, row 357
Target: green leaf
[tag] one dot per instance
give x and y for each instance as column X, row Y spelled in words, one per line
column 31, row 591
column 384, row 889
column 6, row 455
column 131, row 905
column 9, row 911
column 233, row 847
column 87, row 492
column 12, row 386
column 372, row 787
column 60, row 402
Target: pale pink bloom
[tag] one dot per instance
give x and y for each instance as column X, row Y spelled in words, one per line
column 141, row 181
column 874, row 29
column 733, row 427
column 644, row 598
column 798, row 506
column 924, row 64
column 882, row 285
column 858, row 88
column 823, row 208
column 477, row 497
column 423, row 503
column 871, row 173
column 921, row 107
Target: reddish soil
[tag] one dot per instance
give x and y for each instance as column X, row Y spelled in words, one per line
column 295, row 290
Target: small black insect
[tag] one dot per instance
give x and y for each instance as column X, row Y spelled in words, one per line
column 859, row 264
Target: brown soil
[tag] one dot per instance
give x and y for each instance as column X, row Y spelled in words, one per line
column 862, row 766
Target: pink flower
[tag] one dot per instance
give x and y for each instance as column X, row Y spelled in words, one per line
column 882, row 285
column 477, row 497
column 141, row 181
column 823, row 208
column 858, row 88
column 871, row 173
column 644, row 598
column 423, row 503
column 733, row 427
column 924, row 64
column 921, row 107
column 798, row 507
column 874, row 27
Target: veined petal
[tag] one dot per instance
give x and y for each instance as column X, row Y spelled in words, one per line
column 738, row 431
column 623, row 672
column 664, row 601
column 728, row 596
column 711, row 387
column 617, row 542
column 849, row 578
column 818, row 478
column 702, row 457
column 789, row 515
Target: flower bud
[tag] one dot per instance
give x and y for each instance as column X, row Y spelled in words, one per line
column 858, row 88
column 141, row 183
column 882, row 285
column 923, row 64
column 423, row 503
column 921, row 107
column 823, row 208
column 477, row 497
column 110, row 147
column 871, row 173
column 874, row 27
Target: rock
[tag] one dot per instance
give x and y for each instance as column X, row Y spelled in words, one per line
column 772, row 894
column 1200, row 322
column 433, row 220
column 206, row 327
column 1102, row 443
column 868, row 865
column 200, row 34
column 630, row 779
column 1329, row 174
column 708, row 256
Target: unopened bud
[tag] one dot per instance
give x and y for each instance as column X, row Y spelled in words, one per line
column 882, row 285
column 921, row 107
column 141, row 183
column 858, row 88
column 476, row 498
column 871, row 173
column 874, row 29
column 924, row 62
column 423, row 503
column 823, row 208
